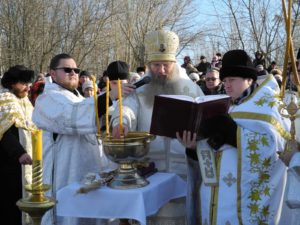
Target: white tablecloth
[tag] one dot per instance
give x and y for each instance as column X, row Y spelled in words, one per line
column 113, row 203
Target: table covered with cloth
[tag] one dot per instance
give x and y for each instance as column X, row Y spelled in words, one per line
column 111, row 203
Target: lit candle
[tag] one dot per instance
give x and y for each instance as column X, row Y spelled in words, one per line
column 96, row 104
column 107, row 106
column 36, row 137
column 120, row 107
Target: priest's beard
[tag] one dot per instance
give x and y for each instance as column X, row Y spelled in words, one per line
column 167, row 85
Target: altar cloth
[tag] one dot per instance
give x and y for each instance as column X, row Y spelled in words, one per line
column 108, row 203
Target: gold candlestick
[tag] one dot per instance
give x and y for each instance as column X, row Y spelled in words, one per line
column 37, row 203
column 291, row 108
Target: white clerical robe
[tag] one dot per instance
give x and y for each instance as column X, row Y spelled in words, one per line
column 251, row 176
column 168, row 154
column 75, row 151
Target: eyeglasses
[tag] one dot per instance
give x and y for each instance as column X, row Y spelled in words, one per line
column 68, row 69
column 211, row 78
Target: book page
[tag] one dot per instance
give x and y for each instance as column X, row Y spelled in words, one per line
column 207, row 98
column 180, row 97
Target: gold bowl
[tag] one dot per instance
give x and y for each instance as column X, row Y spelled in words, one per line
column 126, row 152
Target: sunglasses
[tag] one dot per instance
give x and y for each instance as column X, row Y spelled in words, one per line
column 68, row 69
column 211, row 78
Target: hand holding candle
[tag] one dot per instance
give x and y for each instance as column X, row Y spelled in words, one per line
column 120, row 107
column 37, row 143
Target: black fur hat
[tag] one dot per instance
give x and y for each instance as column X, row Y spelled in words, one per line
column 118, row 70
column 237, row 63
column 84, row 73
column 15, row 74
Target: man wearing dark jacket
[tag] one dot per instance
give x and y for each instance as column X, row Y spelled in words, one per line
column 259, row 59
column 15, row 139
column 203, row 66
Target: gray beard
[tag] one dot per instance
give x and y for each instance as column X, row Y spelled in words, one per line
column 159, row 86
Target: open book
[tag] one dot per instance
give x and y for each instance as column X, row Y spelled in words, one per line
column 172, row 113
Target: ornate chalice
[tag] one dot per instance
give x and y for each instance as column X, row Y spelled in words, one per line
column 127, row 152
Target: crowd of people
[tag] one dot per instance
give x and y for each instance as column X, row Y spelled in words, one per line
column 246, row 142
column 198, row 72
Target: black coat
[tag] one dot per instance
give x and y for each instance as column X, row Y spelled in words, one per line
column 203, row 67
column 11, row 175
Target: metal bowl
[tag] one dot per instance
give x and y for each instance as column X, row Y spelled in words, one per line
column 130, row 148
column 127, row 151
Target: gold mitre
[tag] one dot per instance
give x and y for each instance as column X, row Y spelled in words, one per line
column 161, row 45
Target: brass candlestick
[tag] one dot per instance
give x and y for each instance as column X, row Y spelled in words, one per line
column 292, row 108
column 37, row 203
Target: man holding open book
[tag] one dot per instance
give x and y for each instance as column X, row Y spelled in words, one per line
column 167, row 77
column 249, row 175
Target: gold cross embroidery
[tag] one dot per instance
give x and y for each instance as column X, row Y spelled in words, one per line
column 229, row 179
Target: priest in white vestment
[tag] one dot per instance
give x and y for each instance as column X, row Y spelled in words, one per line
column 70, row 147
column 249, row 172
column 167, row 77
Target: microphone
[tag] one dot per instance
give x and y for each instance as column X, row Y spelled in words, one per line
column 141, row 82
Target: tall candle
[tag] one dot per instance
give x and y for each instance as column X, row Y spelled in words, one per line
column 107, row 107
column 36, row 137
column 120, row 107
column 96, row 104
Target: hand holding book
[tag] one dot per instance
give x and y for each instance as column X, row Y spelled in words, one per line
column 219, row 130
column 188, row 139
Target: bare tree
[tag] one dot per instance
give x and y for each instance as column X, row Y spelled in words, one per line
column 98, row 32
column 251, row 25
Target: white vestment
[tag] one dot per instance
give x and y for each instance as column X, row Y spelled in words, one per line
column 75, row 151
column 291, row 204
column 251, row 176
column 168, row 154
